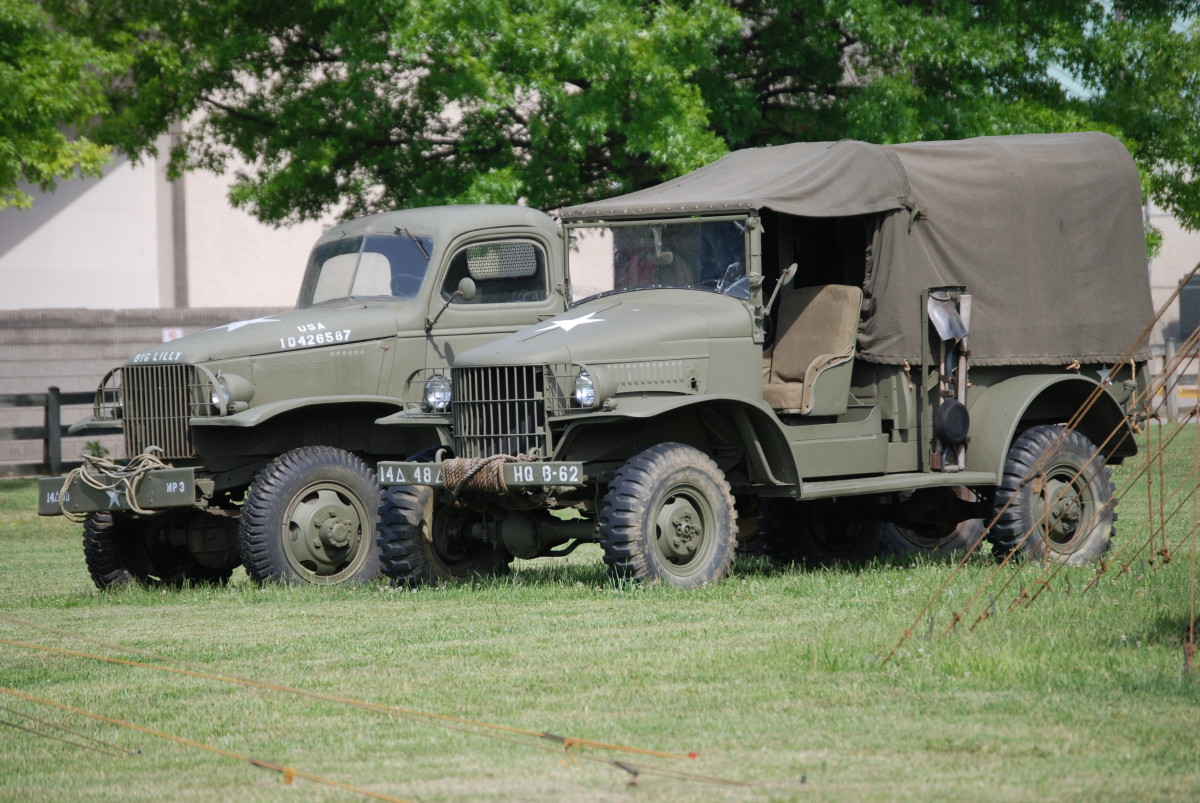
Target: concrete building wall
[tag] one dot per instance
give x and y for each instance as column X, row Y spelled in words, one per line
column 93, row 243
column 1180, row 253
column 131, row 240
column 232, row 258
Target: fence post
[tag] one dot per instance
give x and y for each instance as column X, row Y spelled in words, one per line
column 1171, row 382
column 53, row 450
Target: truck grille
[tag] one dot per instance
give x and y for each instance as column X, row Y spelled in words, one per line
column 155, row 402
column 503, row 410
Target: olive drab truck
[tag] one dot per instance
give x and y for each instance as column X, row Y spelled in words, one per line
column 819, row 345
column 254, row 442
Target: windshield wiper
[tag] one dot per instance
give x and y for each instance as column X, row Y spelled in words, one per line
column 416, row 241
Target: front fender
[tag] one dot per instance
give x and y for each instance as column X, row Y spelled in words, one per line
column 1004, row 409
column 262, row 413
column 753, row 425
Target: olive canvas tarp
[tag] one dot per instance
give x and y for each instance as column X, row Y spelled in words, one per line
column 1044, row 230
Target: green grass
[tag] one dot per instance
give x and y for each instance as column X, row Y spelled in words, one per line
column 768, row 676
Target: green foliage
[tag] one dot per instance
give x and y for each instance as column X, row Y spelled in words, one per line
column 398, row 103
column 356, row 107
column 50, row 82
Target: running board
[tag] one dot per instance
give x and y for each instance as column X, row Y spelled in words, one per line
column 889, row 483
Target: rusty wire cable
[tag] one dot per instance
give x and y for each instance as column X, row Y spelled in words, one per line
column 569, row 745
column 288, row 773
column 1039, row 464
column 333, row 698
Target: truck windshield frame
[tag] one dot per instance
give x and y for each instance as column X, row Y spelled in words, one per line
column 387, row 266
column 705, row 254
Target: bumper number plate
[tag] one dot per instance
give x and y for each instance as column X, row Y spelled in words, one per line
column 515, row 474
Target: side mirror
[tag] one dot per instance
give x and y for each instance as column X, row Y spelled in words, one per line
column 789, row 273
column 466, row 291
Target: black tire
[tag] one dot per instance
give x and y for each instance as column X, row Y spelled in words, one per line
column 310, row 517
column 1065, row 511
column 421, row 544
column 897, row 540
column 420, row 540
column 816, row 533
column 669, row 517
column 124, row 549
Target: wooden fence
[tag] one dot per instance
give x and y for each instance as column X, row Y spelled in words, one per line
column 50, row 433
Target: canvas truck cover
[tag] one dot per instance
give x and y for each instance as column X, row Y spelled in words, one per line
column 1044, row 230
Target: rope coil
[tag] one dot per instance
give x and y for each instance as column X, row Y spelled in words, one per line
column 479, row 474
column 103, row 474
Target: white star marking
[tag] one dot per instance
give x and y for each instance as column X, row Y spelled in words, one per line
column 567, row 326
column 114, row 499
column 230, row 327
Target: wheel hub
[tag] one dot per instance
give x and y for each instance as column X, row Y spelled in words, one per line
column 680, row 529
column 335, row 532
column 325, row 529
column 1064, row 511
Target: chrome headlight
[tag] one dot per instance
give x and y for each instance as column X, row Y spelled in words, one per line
column 438, row 394
column 585, row 390
column 220, row 393
column 230, row 393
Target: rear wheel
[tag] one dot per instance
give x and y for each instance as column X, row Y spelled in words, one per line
column 310, row 517
column 897, row 540
column 1057, row 502
column 669, row 517
column 817, row 533
column 424, row 543
column 121, row 549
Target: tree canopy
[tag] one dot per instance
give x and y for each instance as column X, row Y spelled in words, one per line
column 339, row 105
column 50, row 81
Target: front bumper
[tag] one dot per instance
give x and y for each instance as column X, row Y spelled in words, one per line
column 516, row 474
column 158, row 489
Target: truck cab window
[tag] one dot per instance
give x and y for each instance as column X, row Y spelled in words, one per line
column 503, row 272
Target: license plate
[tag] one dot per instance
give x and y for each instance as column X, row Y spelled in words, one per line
column 515, row 474
column 162, row 488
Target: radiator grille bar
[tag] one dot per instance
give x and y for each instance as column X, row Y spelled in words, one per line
column 157, row 401
column 499, row 410
column 505, row 409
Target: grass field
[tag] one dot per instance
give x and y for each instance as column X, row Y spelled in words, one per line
column 770, row 677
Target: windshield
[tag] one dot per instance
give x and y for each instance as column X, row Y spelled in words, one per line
column 689, row 254
column 366, row 266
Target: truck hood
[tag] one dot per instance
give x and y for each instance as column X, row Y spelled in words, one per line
column 646, row 325
column 290, row 330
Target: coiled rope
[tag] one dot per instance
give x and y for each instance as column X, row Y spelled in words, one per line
column 105, row 475
column 479, row 474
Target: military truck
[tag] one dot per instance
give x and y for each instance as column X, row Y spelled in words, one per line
column 253, row 442
column 806, row 342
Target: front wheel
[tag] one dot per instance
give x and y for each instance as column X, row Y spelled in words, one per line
column 422, row 542
column 669, row 517
column 122, row 549
column 310, row 517
column 1056, row 502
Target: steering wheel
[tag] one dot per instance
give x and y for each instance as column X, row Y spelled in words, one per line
column 405, row 285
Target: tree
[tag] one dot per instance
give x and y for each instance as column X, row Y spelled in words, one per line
column 887, row 71
column 353, row 106
column 49, row 82
column 402, row 103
